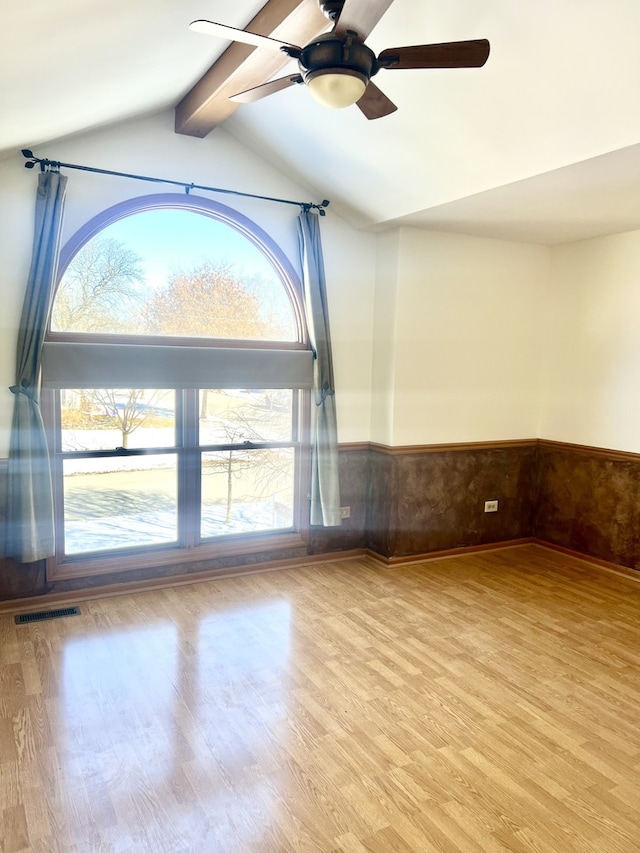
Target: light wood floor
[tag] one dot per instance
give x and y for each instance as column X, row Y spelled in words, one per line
column 478, row 704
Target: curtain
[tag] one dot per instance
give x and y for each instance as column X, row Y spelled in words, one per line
column 325, row 484
column 30, row 530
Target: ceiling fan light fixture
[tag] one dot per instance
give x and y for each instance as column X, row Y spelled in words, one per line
column 336, row 88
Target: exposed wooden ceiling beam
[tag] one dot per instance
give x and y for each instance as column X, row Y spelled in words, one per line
column 241, row 66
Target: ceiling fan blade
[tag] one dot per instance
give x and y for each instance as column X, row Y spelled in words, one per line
column 374, row 103
column 452, row 54
column 250, row 96
column 361, row 16
column 210, row 28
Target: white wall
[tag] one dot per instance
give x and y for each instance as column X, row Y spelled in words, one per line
column 17, row 191
column 592, row 358
column 150, row 147
column 384, row 336
column 350, row 259
column 465, row 354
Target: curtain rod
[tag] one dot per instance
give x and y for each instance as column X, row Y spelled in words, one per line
column 56, row 164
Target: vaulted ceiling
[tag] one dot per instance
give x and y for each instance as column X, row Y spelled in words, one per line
column 541, row 144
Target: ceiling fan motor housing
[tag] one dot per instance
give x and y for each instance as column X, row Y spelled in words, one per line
column 335, row 54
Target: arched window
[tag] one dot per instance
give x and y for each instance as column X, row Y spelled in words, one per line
column 177, row 357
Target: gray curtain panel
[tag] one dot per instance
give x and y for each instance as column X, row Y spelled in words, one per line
column 30, row 530
column 325, row 484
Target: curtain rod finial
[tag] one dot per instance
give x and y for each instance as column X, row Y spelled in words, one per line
column 31, row 157
column 308, row 206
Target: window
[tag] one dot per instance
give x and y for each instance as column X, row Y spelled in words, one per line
column 177, row 363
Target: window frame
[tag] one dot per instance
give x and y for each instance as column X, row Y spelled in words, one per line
column 189, row 547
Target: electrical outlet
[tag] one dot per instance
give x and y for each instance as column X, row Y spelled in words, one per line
column 491, row 506
column 345, row 512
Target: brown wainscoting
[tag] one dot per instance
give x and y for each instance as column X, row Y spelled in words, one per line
column 588, row 501
column 431, row 499
column 418, row 502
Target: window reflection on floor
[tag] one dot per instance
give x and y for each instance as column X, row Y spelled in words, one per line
column 189, row 709
column 112, row 682
column 242, row 661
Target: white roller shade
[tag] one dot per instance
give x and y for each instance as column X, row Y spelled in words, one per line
column 83, row 365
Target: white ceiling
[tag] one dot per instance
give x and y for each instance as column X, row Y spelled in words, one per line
column 542, row 144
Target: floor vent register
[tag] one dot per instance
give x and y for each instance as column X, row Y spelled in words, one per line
column 42, row 615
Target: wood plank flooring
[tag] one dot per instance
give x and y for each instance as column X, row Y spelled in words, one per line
column 482, row 704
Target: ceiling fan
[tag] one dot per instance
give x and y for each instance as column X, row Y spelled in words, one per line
column 337, row 67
